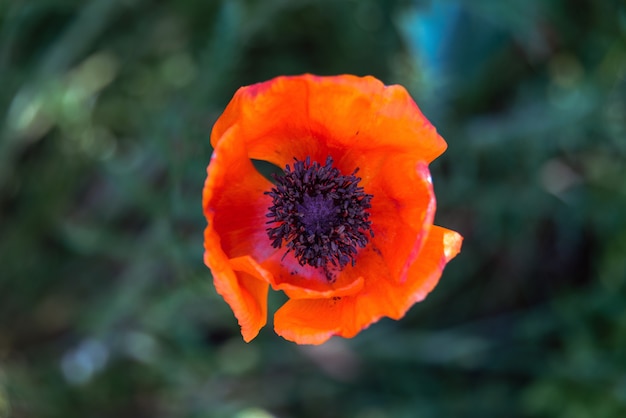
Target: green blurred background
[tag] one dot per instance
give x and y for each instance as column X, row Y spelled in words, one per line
column 106, row 309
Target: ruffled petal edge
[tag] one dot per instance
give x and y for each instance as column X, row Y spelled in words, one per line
column 308, row 321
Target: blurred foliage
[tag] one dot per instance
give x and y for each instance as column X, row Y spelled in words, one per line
column 106, row 308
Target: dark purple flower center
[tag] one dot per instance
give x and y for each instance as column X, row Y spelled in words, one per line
column 319, row 214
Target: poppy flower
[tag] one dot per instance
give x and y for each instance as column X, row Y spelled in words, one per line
column 346, row 231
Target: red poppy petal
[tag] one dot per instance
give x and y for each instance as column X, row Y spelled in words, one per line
column 308, row 321
column 273, row 120
column 234, row 206
column 441, row 246
column 306, row 282
column 299, row 286
column 403, row 209
column 244, row 293
column 314, row 116
column 249, row 266
column 362, row 113
column 234, row 202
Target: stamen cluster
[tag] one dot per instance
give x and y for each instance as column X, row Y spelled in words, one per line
column 320, row 214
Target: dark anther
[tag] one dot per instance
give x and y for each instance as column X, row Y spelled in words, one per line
column 319, row 214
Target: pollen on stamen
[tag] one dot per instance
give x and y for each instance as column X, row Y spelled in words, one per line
column 319, row 214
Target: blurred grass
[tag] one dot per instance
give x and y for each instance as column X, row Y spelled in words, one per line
column 107, row 310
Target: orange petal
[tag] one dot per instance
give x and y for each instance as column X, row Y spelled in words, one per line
column 245, row 294
column 308, row 282
column 362, row 113
column 402, row 212
column 313, row 321
column 441, row 246
column 234, row 202
column 234, row 206
column 314, row 116
column 273, row 121
column 298, row 286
